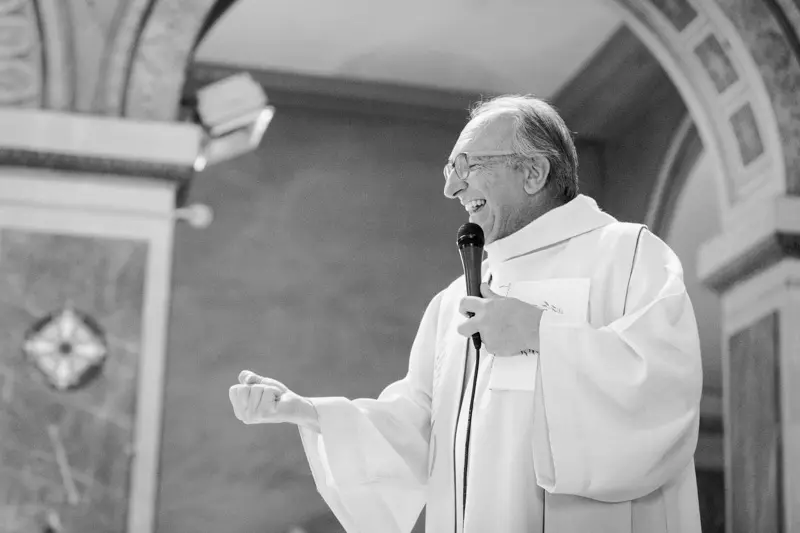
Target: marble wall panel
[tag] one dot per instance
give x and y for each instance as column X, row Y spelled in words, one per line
column 755, row 428
column 65, row 456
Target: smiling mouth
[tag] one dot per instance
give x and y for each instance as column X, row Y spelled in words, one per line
column 473, row 206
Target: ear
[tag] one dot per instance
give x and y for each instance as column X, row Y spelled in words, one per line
column 536, row 172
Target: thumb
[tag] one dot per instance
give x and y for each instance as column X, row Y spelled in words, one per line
column 486, row 292
column 249, row 378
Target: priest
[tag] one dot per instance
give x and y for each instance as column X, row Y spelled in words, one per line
column 580, row 410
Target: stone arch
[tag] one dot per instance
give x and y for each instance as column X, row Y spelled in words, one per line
column 162, row 55
column 734, row 62
column 714, row 56
column 682, row 154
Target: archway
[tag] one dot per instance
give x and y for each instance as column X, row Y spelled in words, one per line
column 734, row 61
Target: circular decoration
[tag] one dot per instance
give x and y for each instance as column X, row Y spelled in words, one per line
column 68, row 347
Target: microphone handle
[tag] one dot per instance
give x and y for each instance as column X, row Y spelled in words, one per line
column 472, row 256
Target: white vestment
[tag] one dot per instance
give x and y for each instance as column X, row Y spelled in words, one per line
column 595, row 433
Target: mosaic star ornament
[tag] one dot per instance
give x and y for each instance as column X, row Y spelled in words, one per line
column 68, row 347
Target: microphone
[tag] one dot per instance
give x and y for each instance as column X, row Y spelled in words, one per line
column 470, row 247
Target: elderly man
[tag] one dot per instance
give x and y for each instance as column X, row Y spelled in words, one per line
column 581, row 415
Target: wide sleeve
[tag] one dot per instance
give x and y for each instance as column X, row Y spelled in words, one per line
column 369, row 459
column 618, row 406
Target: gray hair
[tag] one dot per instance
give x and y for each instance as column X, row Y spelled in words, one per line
column 539, row 130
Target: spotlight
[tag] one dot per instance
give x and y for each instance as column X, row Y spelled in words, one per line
column 234, row 114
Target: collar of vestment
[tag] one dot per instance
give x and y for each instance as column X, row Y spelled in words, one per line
column 574, row 218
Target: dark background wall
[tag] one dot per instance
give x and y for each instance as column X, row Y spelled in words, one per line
column 327, row 245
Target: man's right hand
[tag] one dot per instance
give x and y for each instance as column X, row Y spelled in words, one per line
column 260, row 400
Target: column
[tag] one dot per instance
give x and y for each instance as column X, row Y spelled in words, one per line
column 757, row 271
column 87, row 211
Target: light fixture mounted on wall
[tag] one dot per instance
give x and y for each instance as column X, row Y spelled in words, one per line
column 234, row 113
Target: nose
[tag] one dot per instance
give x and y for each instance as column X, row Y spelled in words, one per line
column 453, row 185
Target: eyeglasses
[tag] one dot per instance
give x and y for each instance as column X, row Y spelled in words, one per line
column 462, row 166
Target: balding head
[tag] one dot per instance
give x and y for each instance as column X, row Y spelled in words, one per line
column 531, row 127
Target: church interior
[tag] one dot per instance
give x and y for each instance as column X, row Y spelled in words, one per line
column 189, row 189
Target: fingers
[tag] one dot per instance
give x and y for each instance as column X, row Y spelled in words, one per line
column 254, row 404
column 247, row 377
column 470, row 305
column 468, row 327
column 274, row 383
column 486, row 292
column 254, row 400
column 234, row 396
column 239, row 395
column 264, row 405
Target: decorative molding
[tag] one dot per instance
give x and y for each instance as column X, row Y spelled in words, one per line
column 162, row 55
column 94, row 165
column 117, row 62
column 767, row 233
column 21, row 75
column 768, row 31
column 68, row 347
column 745, row 129
column 787, row 14
column 679, row 12
column 717, row 63
column 59, row 55
column 699, row 77
column 756, row 297
column 87, row 143
column 152, row 380
column 85, row 193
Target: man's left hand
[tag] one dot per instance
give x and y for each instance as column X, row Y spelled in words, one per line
column 507, row 326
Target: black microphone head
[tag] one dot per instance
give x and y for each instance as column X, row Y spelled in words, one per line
column 470, row 234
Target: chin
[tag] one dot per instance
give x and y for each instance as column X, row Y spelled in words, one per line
column 488, row 235
column 486, row 226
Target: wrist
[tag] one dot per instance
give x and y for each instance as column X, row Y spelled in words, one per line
column 308, row 416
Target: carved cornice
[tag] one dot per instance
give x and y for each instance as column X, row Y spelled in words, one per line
column 95, row 165
column 99, row 145
column 769, row 233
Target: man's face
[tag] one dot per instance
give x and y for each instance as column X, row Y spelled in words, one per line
column 493, row 193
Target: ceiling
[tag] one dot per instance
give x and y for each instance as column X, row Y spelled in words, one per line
column 480, row 46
